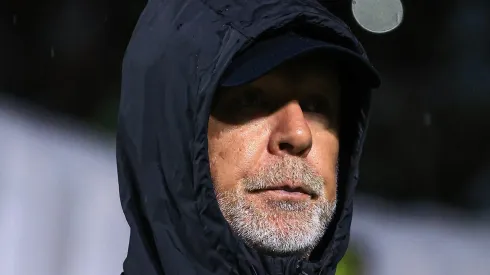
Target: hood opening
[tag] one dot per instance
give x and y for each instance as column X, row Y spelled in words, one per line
column 171, row 69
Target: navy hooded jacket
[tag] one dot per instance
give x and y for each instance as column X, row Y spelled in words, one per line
column 173, row 64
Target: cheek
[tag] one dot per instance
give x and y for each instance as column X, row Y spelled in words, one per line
column 233, row 152
column 323, row 156
column 221, row 163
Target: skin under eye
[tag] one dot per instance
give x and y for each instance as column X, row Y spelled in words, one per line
column 318, row 109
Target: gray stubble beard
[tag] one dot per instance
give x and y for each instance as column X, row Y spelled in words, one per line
column 283, row 227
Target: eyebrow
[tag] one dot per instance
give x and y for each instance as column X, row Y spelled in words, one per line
column 326, row 90
column 224, row 93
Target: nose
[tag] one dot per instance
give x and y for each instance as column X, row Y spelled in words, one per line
column 291, row 133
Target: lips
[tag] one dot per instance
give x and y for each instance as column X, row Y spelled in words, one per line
column 288, row 188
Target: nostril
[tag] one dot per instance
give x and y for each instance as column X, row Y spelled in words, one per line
column 284, row 146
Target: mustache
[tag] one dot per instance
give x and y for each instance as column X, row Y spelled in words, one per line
column 289, row 170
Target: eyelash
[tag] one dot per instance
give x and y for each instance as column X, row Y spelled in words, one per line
column 319, row 106
column 250, row 99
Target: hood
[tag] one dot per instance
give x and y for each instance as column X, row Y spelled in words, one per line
column 173, row 64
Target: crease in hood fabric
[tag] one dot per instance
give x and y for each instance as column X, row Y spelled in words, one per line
column 173, row 64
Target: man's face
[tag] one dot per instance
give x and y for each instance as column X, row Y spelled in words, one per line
column 273, row 150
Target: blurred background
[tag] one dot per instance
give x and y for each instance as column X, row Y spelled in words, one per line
column 423, row 203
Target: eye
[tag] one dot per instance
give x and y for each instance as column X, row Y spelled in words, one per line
column 316, row 104
column 250, row 99
column 240, row 104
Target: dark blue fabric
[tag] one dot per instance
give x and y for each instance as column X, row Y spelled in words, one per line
column 267, row 54
column 177, row 54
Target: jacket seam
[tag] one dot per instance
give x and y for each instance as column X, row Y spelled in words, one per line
column 221, row 17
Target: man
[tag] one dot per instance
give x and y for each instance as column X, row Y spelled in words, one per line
column 241, row 126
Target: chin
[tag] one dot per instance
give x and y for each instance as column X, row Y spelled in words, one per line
column 281, row 227
column 283, row 235
column 277, row 227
